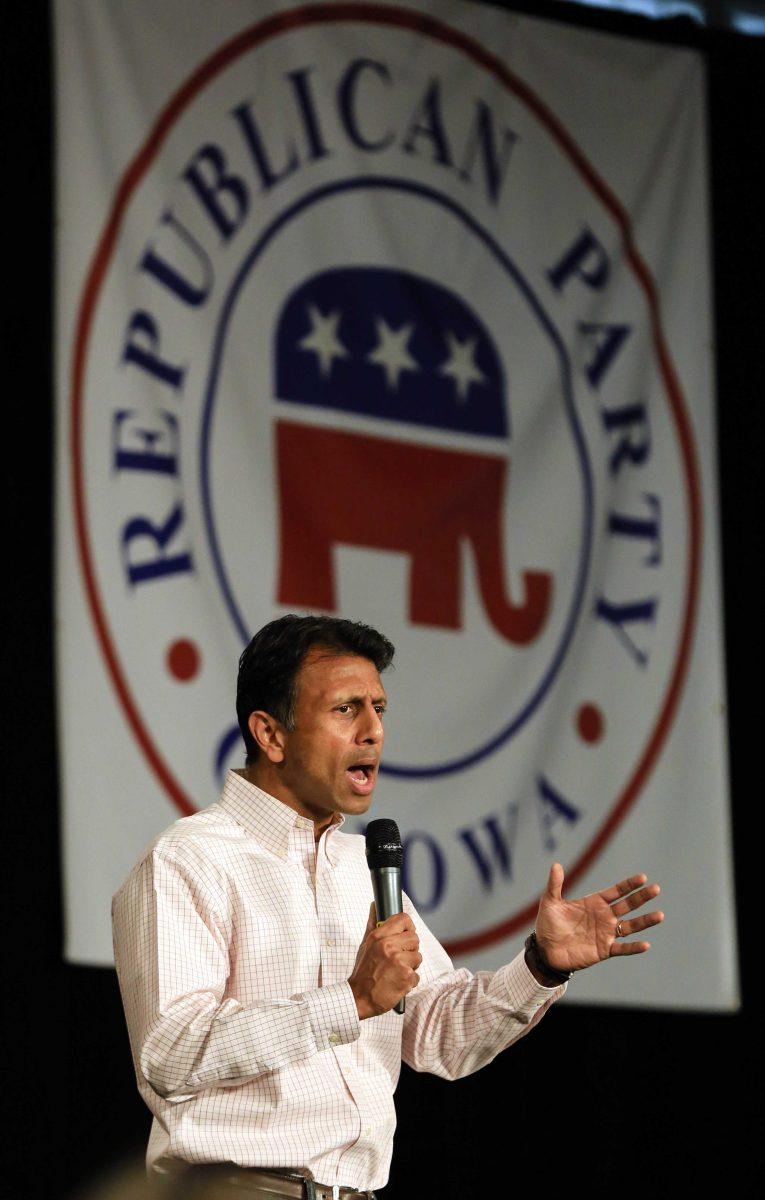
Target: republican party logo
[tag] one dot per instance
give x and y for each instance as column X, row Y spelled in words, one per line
column 366, row 334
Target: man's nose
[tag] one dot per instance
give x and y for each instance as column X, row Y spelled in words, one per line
column 370, row 725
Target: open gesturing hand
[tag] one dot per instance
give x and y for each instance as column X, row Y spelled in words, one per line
column 573, row 934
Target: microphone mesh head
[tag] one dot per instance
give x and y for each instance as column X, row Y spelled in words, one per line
column 384, row 847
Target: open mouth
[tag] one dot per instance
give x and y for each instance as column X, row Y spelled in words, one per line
column 362, row 777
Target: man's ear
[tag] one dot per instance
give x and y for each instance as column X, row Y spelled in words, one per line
column 268, row 734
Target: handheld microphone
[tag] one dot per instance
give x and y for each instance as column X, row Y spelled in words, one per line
column 385, row 856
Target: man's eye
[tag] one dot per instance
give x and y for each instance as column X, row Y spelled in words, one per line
column 343, row 708
column 380, row 710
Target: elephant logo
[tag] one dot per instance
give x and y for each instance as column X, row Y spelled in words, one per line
column 396, row 347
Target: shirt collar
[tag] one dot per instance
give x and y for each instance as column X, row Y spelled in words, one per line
column 269, row 820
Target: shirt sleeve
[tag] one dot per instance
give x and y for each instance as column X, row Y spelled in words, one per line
column 456, row 1021
column 171, row 944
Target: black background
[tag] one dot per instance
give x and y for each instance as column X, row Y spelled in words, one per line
column 604, row 1099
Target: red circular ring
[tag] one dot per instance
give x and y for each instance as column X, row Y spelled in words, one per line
column 428, row 27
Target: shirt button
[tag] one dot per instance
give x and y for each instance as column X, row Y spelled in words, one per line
column 330, row 942
column 334, row 1038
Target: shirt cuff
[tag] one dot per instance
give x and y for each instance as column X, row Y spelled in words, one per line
column 333, row 1015
column 526, row 994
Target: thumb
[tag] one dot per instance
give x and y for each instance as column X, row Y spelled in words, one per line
column 372, row 921
column 554, row 890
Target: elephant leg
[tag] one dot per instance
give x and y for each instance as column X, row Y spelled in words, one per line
column 306, row 537
column 435, row 581
column 522, row 622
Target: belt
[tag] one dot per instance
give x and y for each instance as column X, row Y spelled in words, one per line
column 210, row 1180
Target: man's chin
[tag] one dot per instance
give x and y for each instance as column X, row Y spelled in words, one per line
column 352, row 804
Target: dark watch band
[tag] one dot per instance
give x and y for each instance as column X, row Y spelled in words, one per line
column 544, row 968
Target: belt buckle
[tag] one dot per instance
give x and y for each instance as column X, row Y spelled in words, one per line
column 310, row 1190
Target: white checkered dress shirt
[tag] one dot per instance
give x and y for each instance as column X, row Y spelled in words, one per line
column 234, row 937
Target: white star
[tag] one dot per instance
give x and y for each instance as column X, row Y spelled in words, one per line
column 323, row 339
column 461, row 365
column 391, row 353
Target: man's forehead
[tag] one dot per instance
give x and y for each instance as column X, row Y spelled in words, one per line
column 327, row 670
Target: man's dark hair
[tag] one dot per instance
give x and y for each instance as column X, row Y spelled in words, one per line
column 268, row 668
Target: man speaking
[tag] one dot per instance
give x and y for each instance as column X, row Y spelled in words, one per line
column 258, row 987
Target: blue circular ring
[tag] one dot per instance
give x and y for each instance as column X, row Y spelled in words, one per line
column 404, row 185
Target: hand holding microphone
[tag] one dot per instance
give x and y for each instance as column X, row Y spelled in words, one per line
column 388, row 957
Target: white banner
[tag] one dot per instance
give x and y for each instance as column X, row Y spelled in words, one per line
column 402, row 315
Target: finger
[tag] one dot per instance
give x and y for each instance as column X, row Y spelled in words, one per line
column 392, row 943
column 620, row 948
column 408, row 962
column 642, row 896
column 555, row 882
column 393, row 948
column 638, row 923
column 398, row 923
column 372, row 919
column 402, row 941
column 412, row 957
column 623, row 888
column 415, row 979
